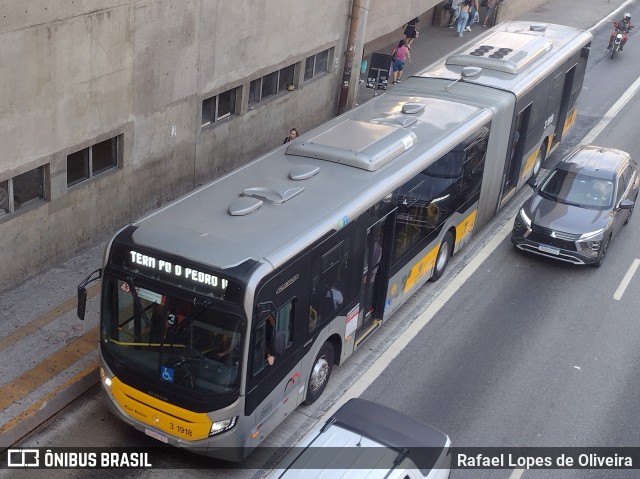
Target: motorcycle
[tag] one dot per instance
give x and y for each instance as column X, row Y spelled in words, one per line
column 617, row 41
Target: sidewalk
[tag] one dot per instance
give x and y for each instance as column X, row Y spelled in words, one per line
column 49, row 357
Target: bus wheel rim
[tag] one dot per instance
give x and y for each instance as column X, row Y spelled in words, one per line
column 319, row 374
column 442, row 256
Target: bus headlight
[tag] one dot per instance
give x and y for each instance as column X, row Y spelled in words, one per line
column 104, row 378
column 219, row 427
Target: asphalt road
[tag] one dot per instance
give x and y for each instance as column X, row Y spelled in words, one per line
column 526, row 353
column 534, row 353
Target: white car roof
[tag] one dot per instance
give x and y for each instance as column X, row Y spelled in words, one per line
column 364, row 440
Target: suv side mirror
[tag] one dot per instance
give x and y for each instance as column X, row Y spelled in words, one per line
column 626, row 204
column 533, row 182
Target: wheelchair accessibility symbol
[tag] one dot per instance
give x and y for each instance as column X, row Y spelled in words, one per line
column 166, row 373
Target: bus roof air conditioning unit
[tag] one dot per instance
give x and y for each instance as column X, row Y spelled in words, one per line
column 360, row 144
column 508, row 52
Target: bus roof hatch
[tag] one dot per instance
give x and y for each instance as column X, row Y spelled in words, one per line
column 360, row 144
column 505, row 51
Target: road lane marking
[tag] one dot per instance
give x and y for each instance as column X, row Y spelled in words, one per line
column 626, row 280
column 516, row 474
column 48, row 317
column 611, row 114
column 613, row 14
column 366, row 379
column 421, row 321
column 48, row 368
column 35, row 407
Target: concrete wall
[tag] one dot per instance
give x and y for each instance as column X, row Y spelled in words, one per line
column 387, row 17
column 512, row 9
column 84, row 72
column 77, row 73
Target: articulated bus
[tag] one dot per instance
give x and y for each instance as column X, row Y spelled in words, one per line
column 225, row 310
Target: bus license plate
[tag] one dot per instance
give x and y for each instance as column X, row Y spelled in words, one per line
column 549, row 249
column 156, row 435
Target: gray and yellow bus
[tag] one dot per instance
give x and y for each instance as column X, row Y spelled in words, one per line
column 225, row 310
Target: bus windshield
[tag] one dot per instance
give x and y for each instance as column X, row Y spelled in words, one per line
column 181, row 343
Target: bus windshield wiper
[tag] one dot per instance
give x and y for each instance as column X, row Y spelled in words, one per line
column 136, row 298
column 174, row 330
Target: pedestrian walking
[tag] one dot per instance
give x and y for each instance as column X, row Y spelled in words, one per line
column 463, row 17
column 490, row 10
column 399, row 56
column 475, row 7
column 454, row 12
column 411, row 32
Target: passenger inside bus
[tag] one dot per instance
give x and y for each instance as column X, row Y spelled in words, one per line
column 158, row 321
column 222, row 346
column 270, row 338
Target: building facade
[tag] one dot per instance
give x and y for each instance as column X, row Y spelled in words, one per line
column 110, row 109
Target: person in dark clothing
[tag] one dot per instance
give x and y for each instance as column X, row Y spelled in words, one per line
column 624, row 26
column 293, row 134
column 411, row 32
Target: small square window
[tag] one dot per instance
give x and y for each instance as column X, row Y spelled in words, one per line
column 27, row 187
column 4, row 197
column 286, row 78
column 21, row 190
column 269, row 85
column 308, row 68
column 226, row 104
column 254, row 91
column 208, row 110
column 316, row 65
column 322, row 63
column 90, row 161
column 77, row 167
column 104, row 155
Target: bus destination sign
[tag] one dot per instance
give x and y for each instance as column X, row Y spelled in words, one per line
column 168, row 268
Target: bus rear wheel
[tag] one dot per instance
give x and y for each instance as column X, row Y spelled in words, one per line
column 444, row 253
column 320, row 373
column 542, row 154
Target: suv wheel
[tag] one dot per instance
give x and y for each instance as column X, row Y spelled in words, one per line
column 603, row 252
column 626, row 222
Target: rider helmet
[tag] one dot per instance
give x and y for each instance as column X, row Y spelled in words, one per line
column 627, row 17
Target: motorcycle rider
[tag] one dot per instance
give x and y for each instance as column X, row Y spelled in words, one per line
column 623, row 26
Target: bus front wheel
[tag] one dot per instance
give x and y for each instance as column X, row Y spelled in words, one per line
column 444, row 253
column 320, row 373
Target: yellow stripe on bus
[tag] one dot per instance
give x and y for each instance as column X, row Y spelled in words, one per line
column 426, row 263
column 571, row 119
column 161, row 415
column 466, row 226
column 528, row 165
column 422, row 267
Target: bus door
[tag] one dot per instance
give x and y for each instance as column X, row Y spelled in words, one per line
column 374, row 280
column 515, row 154
column 563, row 85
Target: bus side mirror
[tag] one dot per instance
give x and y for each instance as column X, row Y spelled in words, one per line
column 82, row 291
column 278, row 343
column 82, row 302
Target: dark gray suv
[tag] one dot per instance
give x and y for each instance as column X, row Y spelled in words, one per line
column 578, row 208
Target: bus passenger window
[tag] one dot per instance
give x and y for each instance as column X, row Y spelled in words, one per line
column 273, row 336
column 329, row 290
